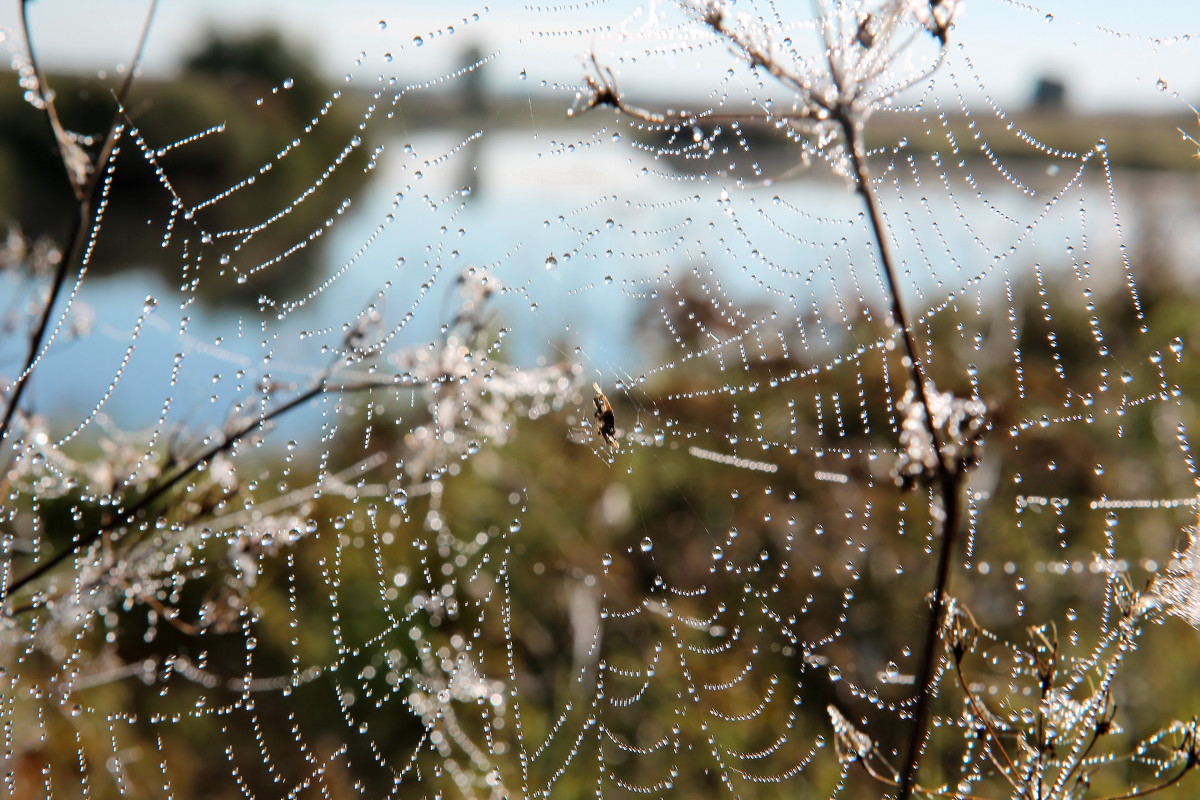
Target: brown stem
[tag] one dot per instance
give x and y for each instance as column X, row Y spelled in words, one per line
column 947, row 477
column 85, row 196
column 145, row 501
column 893, row 781
column 1187, row 767
column 1101, row 720
column 1008, row 769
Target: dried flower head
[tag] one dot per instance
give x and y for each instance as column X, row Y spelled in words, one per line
column 1176, row 590
column 470, row 397
column 959, row 424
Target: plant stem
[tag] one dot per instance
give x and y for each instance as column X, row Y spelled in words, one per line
column 948, row 479
column 85, row 195
column 226, row 443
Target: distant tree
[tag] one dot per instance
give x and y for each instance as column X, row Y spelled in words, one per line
column 255, row 59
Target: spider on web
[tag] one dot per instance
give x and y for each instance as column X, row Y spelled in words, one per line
column 605, row 425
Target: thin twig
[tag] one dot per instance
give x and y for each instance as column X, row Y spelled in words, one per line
column 984, row 716
column 85, row 195
column 226, row 443
column 233, row 518
column 1105, row 709
column 1187, row 767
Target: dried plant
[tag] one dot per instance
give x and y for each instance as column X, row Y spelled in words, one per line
column 186, row 534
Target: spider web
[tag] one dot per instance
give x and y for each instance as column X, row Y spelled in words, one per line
column 363, row 533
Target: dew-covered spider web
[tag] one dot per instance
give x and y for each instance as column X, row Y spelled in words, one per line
column 529, row 413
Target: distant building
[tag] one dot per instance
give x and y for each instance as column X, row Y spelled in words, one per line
column 1049, row 94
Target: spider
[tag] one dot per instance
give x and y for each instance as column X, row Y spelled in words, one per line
column 606, row 422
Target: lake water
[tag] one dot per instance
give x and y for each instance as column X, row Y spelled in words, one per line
column 591, row 235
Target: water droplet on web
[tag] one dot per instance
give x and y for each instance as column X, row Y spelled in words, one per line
column 418, row 41
column 383, row 25
column 514, row 526
column 551, row 262
column 150, row 304
column 646, row 544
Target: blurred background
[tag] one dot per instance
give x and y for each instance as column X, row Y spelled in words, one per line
column 436, row 585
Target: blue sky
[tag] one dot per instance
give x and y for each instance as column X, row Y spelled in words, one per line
column 1112, row 54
